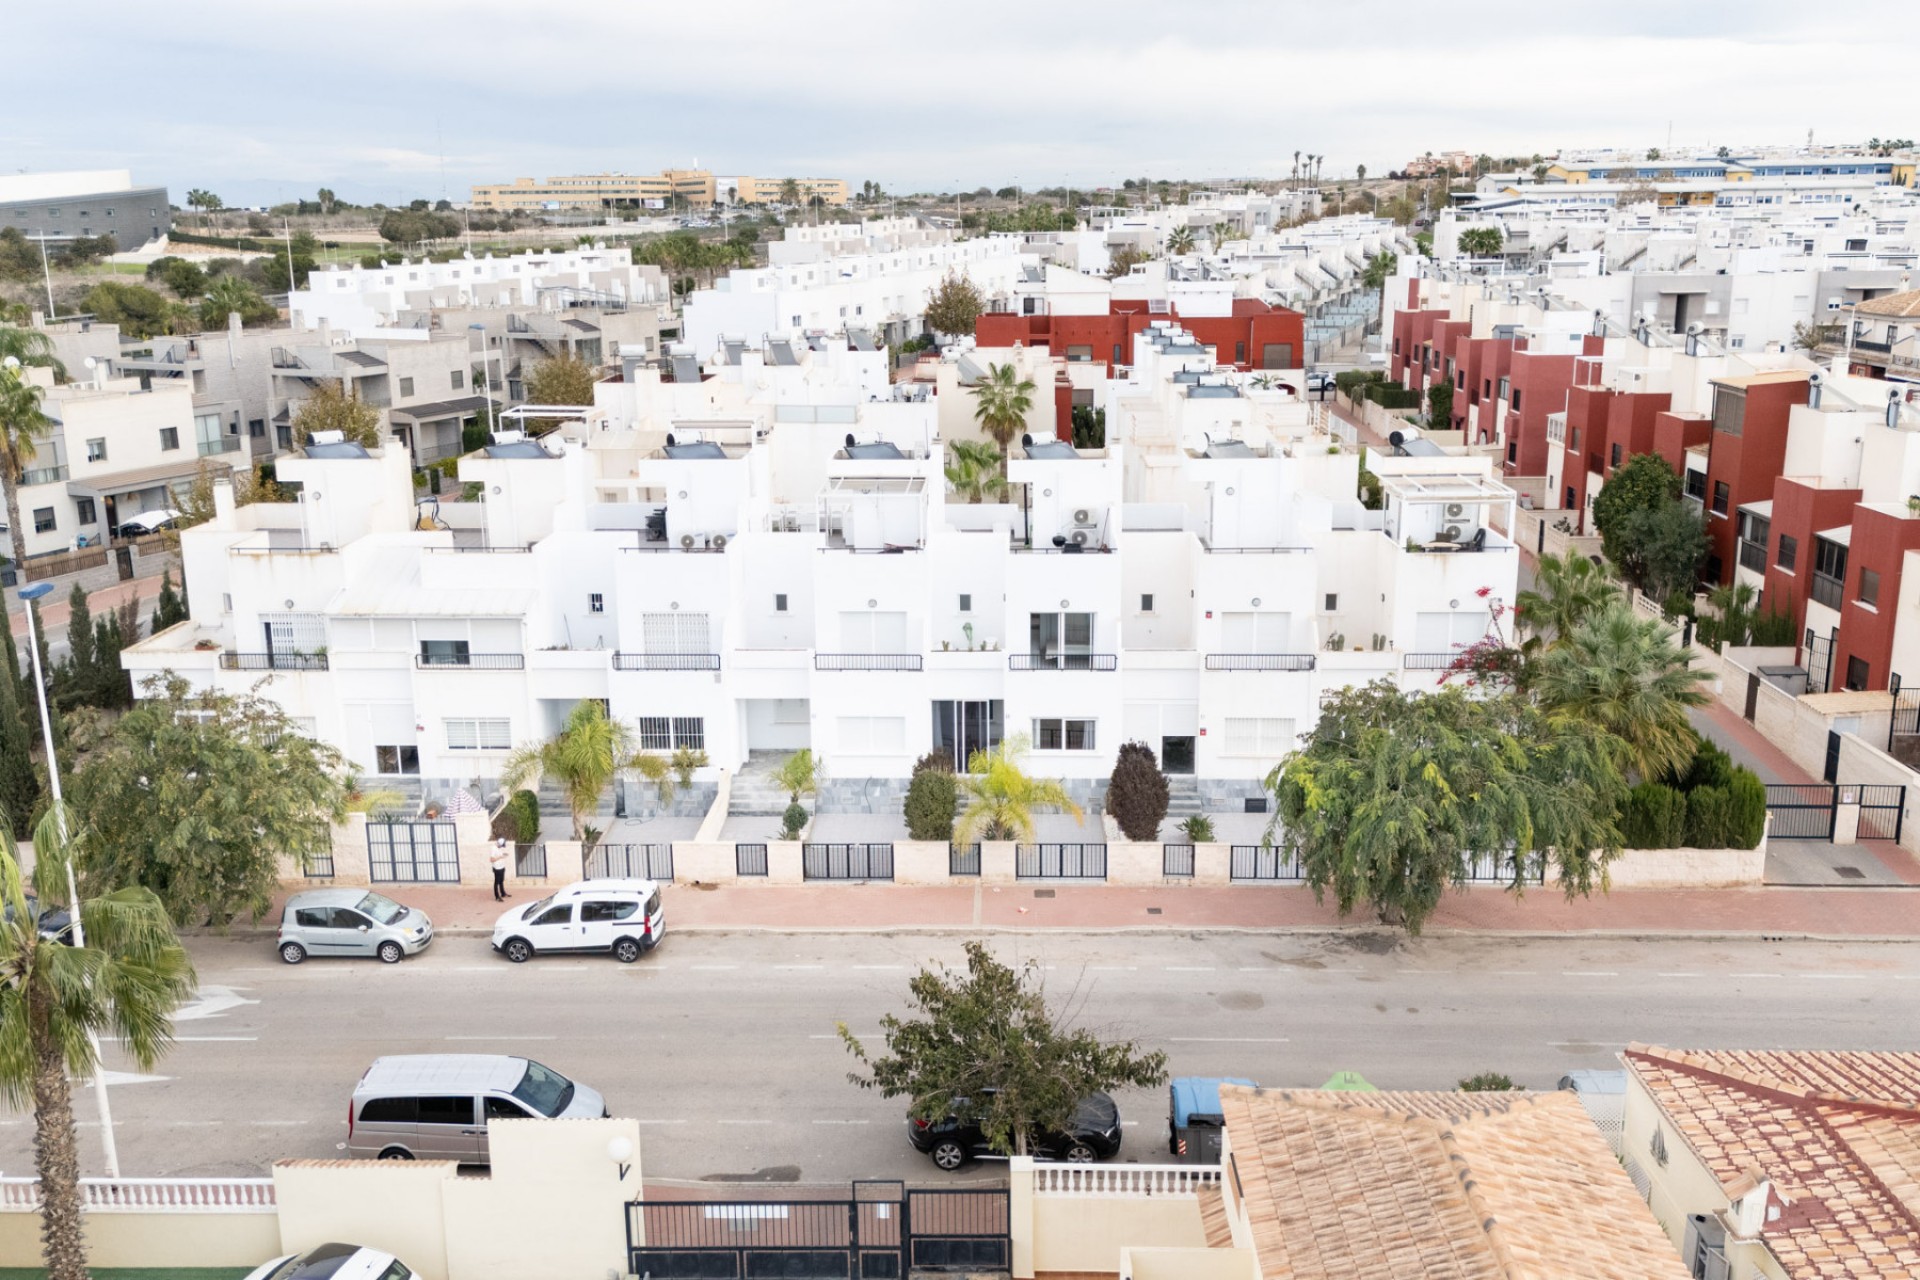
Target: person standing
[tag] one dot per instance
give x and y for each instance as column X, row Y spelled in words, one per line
column 498, row 861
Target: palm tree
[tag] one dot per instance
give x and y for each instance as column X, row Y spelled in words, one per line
column 975, row 472
column 1622, row 673
column 800, row 774
column 1001, row 798
column 789, row 191
column 1001, row 403
column 29, row 346
column 57, row 1000
column 582, row 759
column 1360, row 171
column 1180, row 241
column 230, row 294
column 20, row 421
column 1567, row 590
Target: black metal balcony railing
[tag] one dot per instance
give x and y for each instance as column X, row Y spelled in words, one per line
column 1428, row 661
column 1753, row 556
column 867, row 662
column 1063, row 662
column 666, row 662
column 1827, row 591
column 231, row 661
column 1868, row 344
column 471, row 661
column 1260, row 662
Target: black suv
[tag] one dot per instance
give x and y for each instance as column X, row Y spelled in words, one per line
column 1092, row 1134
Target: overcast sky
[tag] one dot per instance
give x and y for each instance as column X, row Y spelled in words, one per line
column 401, row 98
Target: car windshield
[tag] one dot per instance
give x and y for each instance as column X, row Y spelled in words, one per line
column 546, row 1091
column 539, row 906
column 385, row 910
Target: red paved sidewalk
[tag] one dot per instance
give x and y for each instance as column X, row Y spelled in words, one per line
column 54, row 612
column 1839, row 912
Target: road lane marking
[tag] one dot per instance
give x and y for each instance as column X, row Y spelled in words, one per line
column 749, row 1122
column 660, row 1122
column 499, row 1037
column 712, row 968
column 1113, row 968
column 879, row 966
column 1187, row 968
column 190, row 1039
column 1227, row 1040
column 843, row 1122
column 1835, row 977
column 1683, row 975
column 277, row 1124
column 798, row 967
column 1588, row 973
column 1753, row 975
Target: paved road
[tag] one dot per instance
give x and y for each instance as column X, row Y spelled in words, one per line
column 723, row 1046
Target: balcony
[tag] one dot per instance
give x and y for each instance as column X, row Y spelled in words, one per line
column 1827, row 590
column 231, row 661
column 666, row 662
column 1753, row 555
column 1260, row 661
column 470, row 661
column 867, row 662
column 1063, row 662
column 1428, row 661
column 224, row 444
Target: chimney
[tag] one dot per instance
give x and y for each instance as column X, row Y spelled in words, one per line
column 223, row 500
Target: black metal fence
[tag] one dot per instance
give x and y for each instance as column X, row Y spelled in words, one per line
column 1176, row 860
column 963, row 859
column 1060, row 861
column 628, row 862
column 1263, row 862
column 1498, row 868
column 1260, row 661
column 962, row 1230
column 530, row 861
column 413, row 852
column 666, row 662
column 1063, row 662
column 749, row 859
column 1905, row 720
column 1801, row 810
column 319, row 866
column 867, row 662
column 1883, row 809
column 846, row 861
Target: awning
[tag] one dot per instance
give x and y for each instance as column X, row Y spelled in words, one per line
column 114, row 483
column 441, row 409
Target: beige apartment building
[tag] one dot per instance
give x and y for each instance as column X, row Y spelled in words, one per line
column 595, row 192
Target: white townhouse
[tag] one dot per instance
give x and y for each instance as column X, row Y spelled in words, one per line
column 767, row 560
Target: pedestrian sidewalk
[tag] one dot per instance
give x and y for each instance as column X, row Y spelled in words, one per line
column 1847, row 913
column 55, row 612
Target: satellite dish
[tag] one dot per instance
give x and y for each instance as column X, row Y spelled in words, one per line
column 1397, row 438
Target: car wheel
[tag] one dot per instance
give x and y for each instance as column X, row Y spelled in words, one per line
column 949, row 1156
column 390, row 953
column 396, row 1153
column 1081, row 1153
column 626, row 951
column 518, row 950
column 292, row 952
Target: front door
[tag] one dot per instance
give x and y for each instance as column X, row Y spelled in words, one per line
column 1176, row 755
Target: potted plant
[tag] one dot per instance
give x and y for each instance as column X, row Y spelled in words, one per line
column 1198, row 829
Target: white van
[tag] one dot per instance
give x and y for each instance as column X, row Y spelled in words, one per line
column 435, row 1106
column 623, row 917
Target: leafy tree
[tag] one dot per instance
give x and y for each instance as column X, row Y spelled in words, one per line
column 1481, row 242
column 198, row 796
column 57, row 1000
column 170, row 608
column 84, row 251
column 975, row 470
column 562, row 380
column 1137, row 792
column 29, row 346
column 21, row 421
column 985, row 1043
column 1089, row 427
column 1622, row 674
column 139, row 311
column 185, row 278
column 1810, row 335
column 304, row 249
column 1665, row 549
column 1440, row 406
column 1001, row 401
column 1567, row 590
column 1001, row 799
column 1394, row 791
column 1645, row 481
column 229, row 295
column 932, row 798
column 417, row 225
column 1124, row 259
column 329, row 408
column 954, row 306
column 326, row 200
column 19, row 782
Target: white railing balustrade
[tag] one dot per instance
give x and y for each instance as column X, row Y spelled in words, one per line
column 150, row 1195
column 1123, row 1180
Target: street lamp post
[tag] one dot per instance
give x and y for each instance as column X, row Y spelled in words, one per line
column 31, row 595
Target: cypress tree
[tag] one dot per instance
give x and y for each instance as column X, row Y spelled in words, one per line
column 19, row 783
column 170, row 608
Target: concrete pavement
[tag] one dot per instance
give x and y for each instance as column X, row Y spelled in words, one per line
column 725, row 1047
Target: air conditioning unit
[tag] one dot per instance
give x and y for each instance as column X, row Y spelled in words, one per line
column 719, row 542
column 686, row 542
column 1452, row 533
column 1455, row 510
column 1079, row 538
column 1083, row 517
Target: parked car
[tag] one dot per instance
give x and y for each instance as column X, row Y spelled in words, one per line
column 351, row 922
column 334, row 1262
column 1092, row 1134
column 54, row 924
column 148, row 522
column 623, row 917
column 435, row 1106
column 1318, row 382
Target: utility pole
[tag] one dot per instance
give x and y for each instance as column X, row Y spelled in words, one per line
column 46, row 273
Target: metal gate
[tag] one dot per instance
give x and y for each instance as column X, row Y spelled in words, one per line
column 1801, row 810
column 1883, row 809
column 749, row 859
column 1060, row 861
column 1498, row 868
column 846, row 861
column 628, row 862
column 959, row 1231
column 1905, row 721
column 1176, row 860
column 1257, row 862
column 413, row 851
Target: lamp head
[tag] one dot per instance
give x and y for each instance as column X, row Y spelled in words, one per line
column 36, row 591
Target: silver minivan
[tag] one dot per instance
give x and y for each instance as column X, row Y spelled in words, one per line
column 351, row 922
column 435, row 1106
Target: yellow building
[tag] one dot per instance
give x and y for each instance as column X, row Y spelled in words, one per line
column 768, row 190
column 592, row 192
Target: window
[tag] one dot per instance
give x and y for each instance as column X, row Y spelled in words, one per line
column 664, row 733
column 596, row 602
column 1516, row 399
column 1063, row 735
column 496, row 1109
column 479, row 734
column 1332, row 604
column 283, row 435
column 84, row 507
column 457, row 1110
column 402, row 758
column 1615, row 460
column 1080, row 354
column 1146, row 603
column 459, row 379
column 1789, row 552
column 208, row 437
column 1116, row 353
column 873, row 735
column 310, row 918
column 1829, row 572
column 1695, row 485
column 1259, row 736
column 97, row 450
column 43, row 520
column 1576, row 439
column 1239, row 353
column 601, row 912
column 1573, row 499
column 1729, row 410
column 562, row 914
column 389, row 1111
column 445, row 653
column 780, row 602
column 257, row 428
column 1276, row 355
column 1856, row 674
column 1869, row 587
column 1486, row 388
column 966, row 603
column 406, row 386
column 674, row 633
column 169, row 438
column 1721, row 496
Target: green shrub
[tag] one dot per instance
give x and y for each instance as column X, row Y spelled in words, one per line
column 473, row 436
column 1711, row 767
column 1710, row 818
column 525, row 808
column 793, row 821
column 1488, row 1082
column 1747, row 821
column 1198, row 829
column 1137, row 792
column 932, row 800
column 1653, row 817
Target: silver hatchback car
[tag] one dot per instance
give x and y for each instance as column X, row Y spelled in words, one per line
column 351, row 922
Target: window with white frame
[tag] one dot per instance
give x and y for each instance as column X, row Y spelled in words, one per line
column 665, row 733
column 863, row 631
column 1063, row 735
column 873, row 735
column 1259, row 736
column 475, row 734
column 675, row 633
column 1255, row 632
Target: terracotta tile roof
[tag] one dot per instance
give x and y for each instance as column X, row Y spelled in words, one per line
column 1443, row 1186
column 1895, row 305
column 1836, row 1134
column 1213, row 1218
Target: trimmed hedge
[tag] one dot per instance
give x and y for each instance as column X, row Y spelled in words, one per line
column 933, row 798
column 1716, row 805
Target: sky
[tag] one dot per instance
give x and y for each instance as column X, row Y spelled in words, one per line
column 399, row 99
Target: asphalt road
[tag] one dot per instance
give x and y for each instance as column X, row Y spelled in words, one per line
column 724, row 1046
